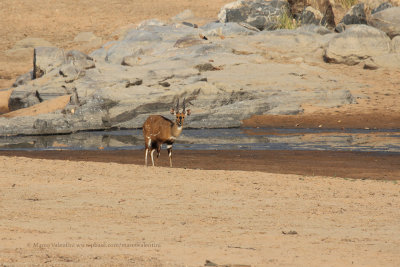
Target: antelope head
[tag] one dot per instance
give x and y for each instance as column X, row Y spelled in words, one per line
column 180, row 116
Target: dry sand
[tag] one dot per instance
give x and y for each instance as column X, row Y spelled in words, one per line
column 186, row 217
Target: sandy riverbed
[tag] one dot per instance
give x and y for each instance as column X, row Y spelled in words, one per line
column 185, row 217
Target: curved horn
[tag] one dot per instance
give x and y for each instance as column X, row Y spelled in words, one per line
column 183, row 111
column 177, row 106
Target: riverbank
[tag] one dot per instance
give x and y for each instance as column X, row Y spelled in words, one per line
column 379, row 166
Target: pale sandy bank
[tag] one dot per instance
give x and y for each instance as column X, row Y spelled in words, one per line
column 183, row 217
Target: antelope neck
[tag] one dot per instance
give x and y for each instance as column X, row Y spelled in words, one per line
column 176, row 130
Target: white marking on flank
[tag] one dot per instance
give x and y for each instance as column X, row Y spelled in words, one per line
column 155, row 134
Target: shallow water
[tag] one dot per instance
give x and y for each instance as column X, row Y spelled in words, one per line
column 220, row 139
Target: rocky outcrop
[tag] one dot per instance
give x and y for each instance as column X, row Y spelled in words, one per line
column 226, row 71
column 223, row 79
column 356, row 15
column 48, row 59
column 357, row 44
column 257, row 13
column 53, row 71
column 387, row 20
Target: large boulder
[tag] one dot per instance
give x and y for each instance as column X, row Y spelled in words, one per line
column 53, row 69
column 332, row 11
column 310, row 15
column 356, row 15
column 47, row 59
column 146, row 39
column 28, row 95
column 357, row 44
column 257, row 13
column 387, row 20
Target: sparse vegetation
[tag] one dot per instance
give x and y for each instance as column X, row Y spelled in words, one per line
column 347, row 3
column 286, row 21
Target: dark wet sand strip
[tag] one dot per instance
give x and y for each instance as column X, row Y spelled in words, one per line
column 322, row 163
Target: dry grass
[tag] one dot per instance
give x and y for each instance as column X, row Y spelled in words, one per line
column 347, row 3
column 286, row 21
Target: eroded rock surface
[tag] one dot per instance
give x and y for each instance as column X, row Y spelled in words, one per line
column 226, row 71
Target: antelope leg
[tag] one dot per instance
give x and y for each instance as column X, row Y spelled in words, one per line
column 169, row 147
column 152, row 158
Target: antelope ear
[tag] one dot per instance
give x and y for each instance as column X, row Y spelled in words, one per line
column 188, row 112
column 172, row 111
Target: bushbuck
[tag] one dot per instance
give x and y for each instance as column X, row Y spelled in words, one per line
column 158, row 130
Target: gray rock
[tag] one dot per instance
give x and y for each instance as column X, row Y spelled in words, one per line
column 23, row 79
column 100, row 54
column 79, row 60
column 257, row 13
column 46, row 59
column 381, row 7
column 356, row 15
column 55, row 68
column 187, row 41
column 225, row 29
column 70, row 73
column 135, row 42
column 387, row 20
column 23, row 98
column 293, row 44
column 310, row 16
column 50, row 86
column 151, row 22
column 205, row 67
column 133, row 82
column 356, row 44
column 224, row 80
column 189, row 24
column 314, row 29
